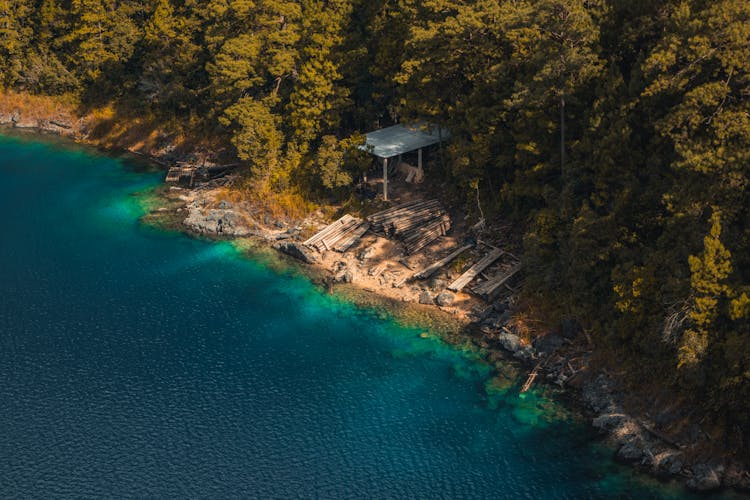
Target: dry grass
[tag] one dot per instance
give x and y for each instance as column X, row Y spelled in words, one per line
column 38, row 108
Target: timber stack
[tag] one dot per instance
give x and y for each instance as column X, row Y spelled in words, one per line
column 340, row 235
column 416, row 223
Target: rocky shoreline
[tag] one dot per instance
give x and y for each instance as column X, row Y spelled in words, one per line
column 559, row 357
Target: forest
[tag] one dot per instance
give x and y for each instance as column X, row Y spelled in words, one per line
column 614, row 133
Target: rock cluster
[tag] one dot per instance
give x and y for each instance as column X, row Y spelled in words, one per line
column 216, row 221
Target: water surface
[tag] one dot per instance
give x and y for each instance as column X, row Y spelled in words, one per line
column 139, row 363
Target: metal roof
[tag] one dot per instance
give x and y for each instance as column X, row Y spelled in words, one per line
column 399, row 139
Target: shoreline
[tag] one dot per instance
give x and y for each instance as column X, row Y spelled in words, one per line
column 635, row 439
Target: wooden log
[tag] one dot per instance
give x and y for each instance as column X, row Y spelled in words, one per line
column 477, row 268
column 432, row 268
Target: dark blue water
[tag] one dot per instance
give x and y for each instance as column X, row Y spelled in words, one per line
column 140, row 363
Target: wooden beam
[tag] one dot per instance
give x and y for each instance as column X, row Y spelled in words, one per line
column 385, row 179
column 477, row 268
column 430, row 270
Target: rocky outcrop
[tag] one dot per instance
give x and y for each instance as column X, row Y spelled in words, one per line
column 706, row 476
column 217, row 221
column 297, row 251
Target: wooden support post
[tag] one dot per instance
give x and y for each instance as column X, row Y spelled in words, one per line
column 385, row 179
column 419, row 158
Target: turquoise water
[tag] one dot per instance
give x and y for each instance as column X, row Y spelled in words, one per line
column 139, row 363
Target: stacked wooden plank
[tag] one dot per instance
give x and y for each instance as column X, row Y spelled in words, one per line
column 346, row 242
column 488, row 288
column 339, row 235
column 419, row 237
column 416, row 223
column 401, row 218
column 474, row 270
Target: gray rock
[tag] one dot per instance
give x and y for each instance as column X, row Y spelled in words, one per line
column 597, row 394
column 632, row 451
column 445, row 299
column 348, row 276
column 706, row 476
column 437, row 284
column 510, row 341
column 297, row 251
column 669, row 462
column 366, row 253
column 736, row 476
column 224, row 205
column 609, row 421
column 425, row 298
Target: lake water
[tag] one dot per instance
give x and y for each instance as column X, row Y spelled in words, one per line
column 140, row 363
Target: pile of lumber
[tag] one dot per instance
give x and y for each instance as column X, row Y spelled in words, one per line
column 340, row 235
column 416, row 223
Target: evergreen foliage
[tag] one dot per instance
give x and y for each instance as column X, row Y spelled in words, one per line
column 616, row 133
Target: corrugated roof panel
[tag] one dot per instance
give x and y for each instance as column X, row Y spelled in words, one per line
column 399, row 139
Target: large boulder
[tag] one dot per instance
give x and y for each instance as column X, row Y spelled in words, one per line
column 609, row 421
column 706, row 476
column 669, row 462
column 425, row 298
column 445, row 299
column 297, row 251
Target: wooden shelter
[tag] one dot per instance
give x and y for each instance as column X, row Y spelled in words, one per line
column 394, row 141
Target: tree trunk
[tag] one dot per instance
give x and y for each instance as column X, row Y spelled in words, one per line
column 562, row 136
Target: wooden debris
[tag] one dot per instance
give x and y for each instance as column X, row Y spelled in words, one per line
column 532, row 376
column 487, row 288
column 432, row 268
column 375, row 271
column 181, row 175
column 474, row 271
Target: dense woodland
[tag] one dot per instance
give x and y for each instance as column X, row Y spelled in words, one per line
column 615, row 132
